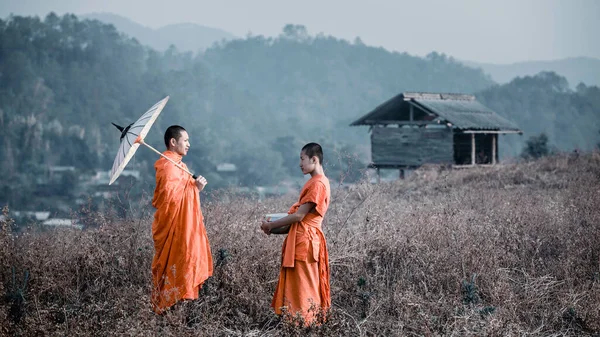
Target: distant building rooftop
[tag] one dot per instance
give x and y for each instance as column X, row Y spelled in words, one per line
column 40, row 216
column 58, row 222
column 61, row 168
column 131, row 173
column 102, row 177
column 226, row 167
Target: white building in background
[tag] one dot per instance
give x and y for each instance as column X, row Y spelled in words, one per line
column 39, row 216
column 131, row 173
column 103, row 177
column 226, row 167
column 59, row 222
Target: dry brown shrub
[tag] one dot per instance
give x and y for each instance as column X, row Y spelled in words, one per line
column 506, row 250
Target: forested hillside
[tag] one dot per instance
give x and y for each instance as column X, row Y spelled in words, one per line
column 575, row 69
column 325, row 83
column 252, row 102
column 544, row 104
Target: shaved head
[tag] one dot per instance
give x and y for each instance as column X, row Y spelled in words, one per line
column 313, row 150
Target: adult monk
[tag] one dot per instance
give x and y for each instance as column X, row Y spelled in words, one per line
column 182, row 259
column 303, row 287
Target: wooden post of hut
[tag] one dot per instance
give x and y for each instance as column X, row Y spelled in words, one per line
column 473, row 149
column 494, row 149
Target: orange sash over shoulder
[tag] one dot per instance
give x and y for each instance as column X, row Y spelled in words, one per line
column 182, row 259
column 304, row 277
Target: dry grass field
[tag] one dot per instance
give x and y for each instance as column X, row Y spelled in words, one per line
column 510, row 250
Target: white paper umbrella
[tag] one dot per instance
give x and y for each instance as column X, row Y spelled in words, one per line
column 133, row 135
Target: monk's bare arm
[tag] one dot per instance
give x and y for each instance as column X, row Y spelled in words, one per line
column 290, row 219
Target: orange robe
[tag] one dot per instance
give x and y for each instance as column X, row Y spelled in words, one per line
column 303, row 286
column 182, row 259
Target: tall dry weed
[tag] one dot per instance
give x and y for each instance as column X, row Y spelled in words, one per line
column 506, row 250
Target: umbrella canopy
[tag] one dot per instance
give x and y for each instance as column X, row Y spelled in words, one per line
column 132, row 136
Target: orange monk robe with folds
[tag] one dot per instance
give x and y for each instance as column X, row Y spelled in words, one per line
column 303, row 286
column 182, row 259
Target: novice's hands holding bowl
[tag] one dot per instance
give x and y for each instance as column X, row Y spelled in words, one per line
column 266, row 224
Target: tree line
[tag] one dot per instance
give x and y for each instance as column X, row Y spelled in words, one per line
column 252, row 102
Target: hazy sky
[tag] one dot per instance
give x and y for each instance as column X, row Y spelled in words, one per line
column 499, row 31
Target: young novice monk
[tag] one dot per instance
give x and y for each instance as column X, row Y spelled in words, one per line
column 182, row 259
column 303, row 287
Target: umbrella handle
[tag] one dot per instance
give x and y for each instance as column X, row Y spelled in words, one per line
column 141, row 141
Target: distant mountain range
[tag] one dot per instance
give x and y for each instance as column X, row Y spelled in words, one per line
column 576, row 70
column 184, row 36
column 193, row 37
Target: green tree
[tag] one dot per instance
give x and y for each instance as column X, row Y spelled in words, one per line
column 66, row 185
column 288, row 148
column 536, row 146
column 544, row 103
